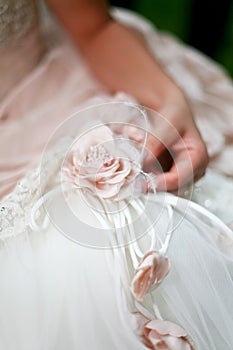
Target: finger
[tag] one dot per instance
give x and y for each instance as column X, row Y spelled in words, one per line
column 168, row 127
column 189, row 165
column 160, row 140
column 155, row 144
column 163, row 163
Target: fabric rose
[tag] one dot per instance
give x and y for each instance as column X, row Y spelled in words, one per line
column 161, row 335
column 152, row 269
column 97, row 163
column 165, row 335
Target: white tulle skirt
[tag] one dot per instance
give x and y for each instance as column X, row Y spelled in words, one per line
column 57, row 292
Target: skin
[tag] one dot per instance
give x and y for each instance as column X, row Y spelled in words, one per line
column 120, row 60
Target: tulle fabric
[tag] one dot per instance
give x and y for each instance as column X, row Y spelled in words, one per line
column 187, row 295
column 56, row 293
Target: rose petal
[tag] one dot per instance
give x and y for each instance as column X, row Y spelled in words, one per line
column 152, row 269
column 167, row 335
column 177, row 343
column 166, row 327
column 97, row 135
column 161, row 335
column 98, row 174
column 108, row 192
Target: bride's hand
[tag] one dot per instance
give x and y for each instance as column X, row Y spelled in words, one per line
column 176, row 143
column 120, row 59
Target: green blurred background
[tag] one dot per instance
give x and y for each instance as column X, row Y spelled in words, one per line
column 212, row 21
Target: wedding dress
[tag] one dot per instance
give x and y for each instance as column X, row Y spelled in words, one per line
column 110, row 266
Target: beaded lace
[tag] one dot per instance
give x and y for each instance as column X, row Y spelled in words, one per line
column 21, row 43
column 15, row 208
column 16, row 18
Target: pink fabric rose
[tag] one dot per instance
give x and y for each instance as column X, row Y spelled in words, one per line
column 161, row 335
column 92, row 164
column 165, row 335
column 152, row 269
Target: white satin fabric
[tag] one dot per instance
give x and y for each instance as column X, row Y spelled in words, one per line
column 57, row 294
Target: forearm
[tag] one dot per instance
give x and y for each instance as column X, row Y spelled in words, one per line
column 119, row 59
column 116, row 55
column 82, row 19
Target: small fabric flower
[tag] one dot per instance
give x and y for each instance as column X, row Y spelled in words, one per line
column 92, row 164
column 152, row 269
column 165, row 335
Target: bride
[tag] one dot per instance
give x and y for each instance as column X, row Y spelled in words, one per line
column 94, row 252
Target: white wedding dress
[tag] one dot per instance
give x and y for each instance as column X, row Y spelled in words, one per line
column 68, row 258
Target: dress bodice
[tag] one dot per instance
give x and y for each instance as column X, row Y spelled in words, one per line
column 20, row 41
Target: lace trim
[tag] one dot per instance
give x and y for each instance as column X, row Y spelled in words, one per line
column 15, row 208
column 16, row 18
